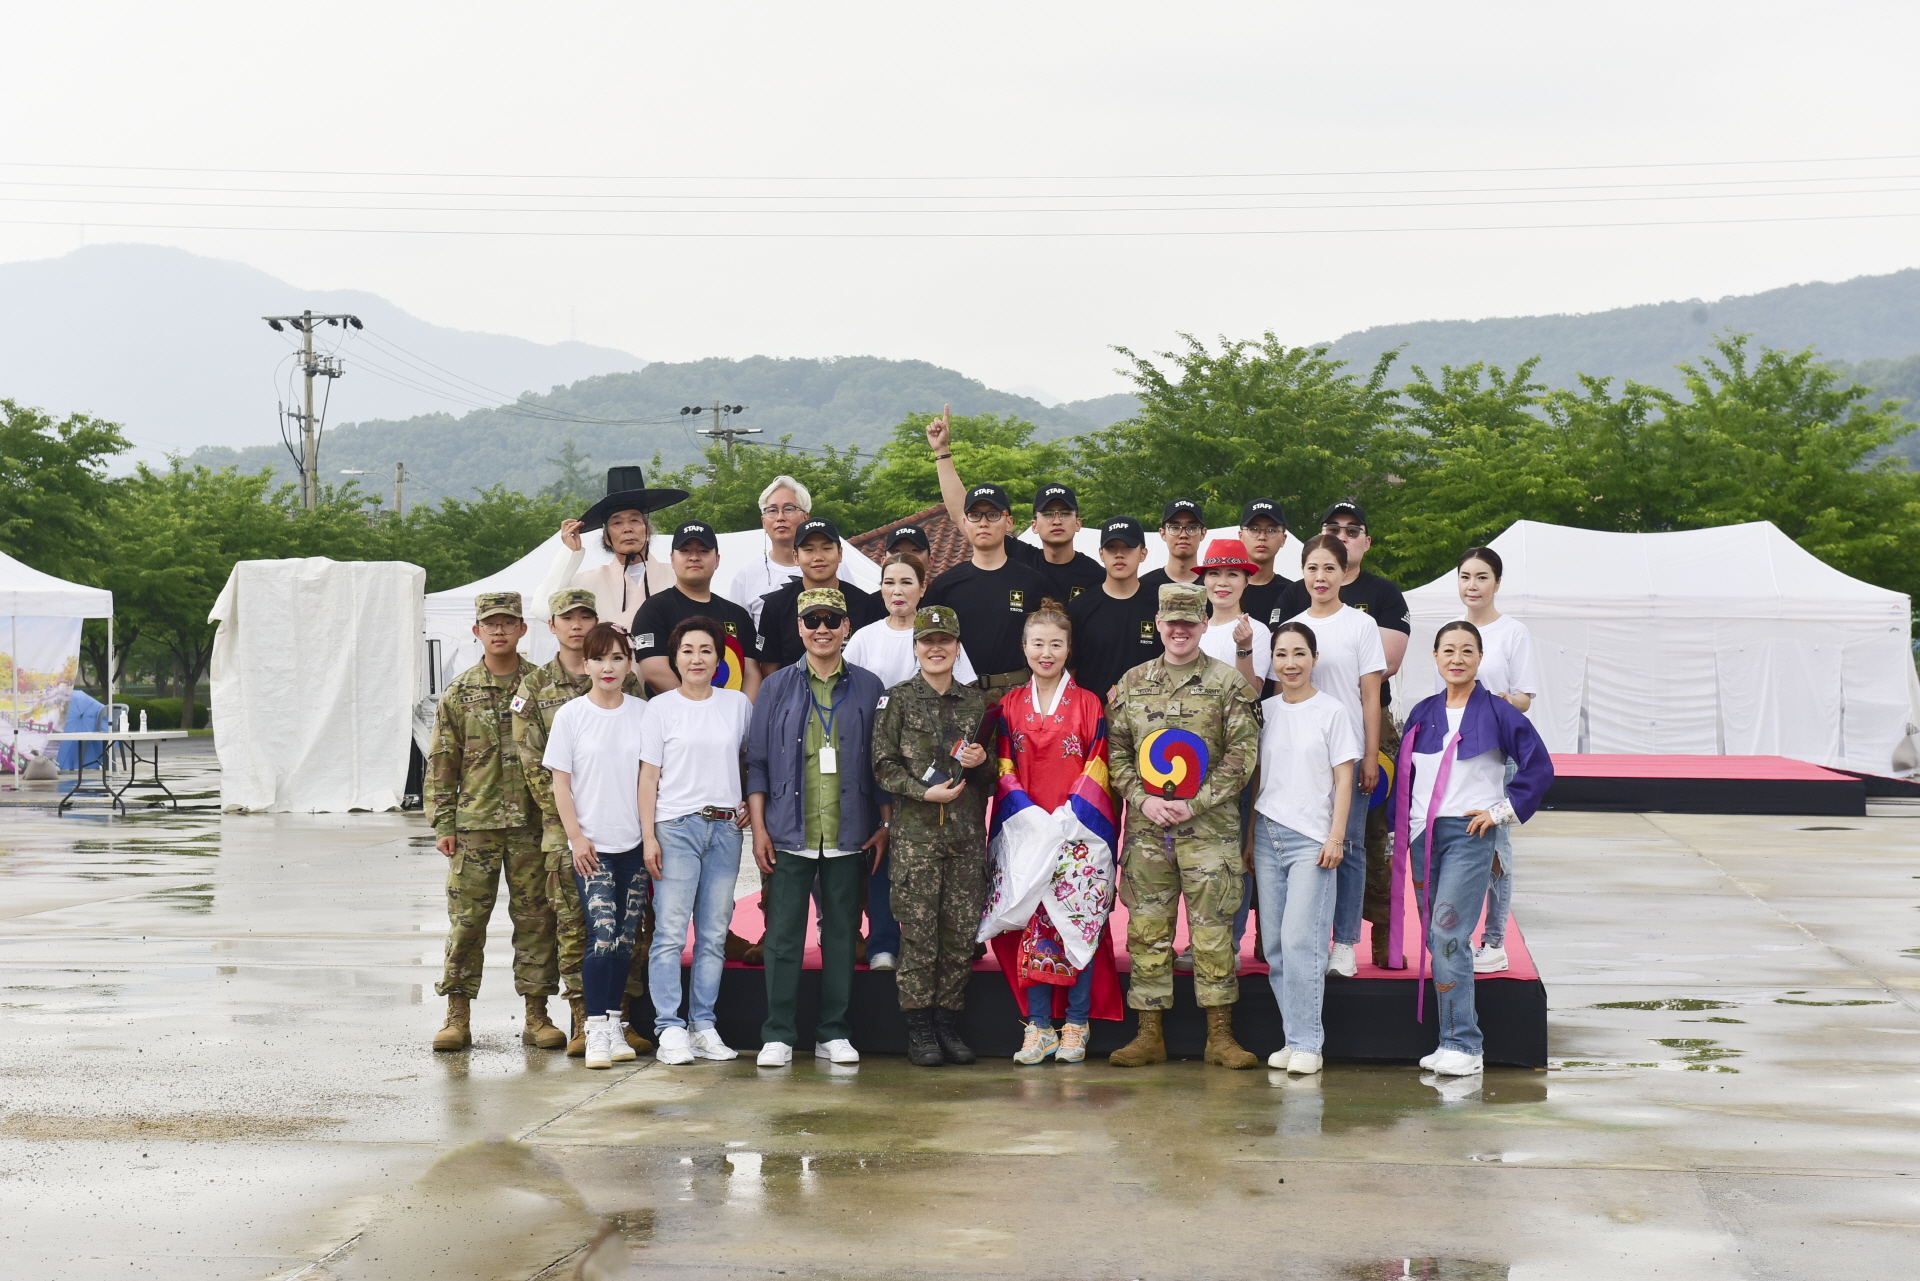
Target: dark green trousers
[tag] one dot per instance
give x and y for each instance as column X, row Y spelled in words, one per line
column 786, row 904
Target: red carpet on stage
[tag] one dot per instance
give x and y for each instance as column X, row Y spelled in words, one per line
column 1703, row 785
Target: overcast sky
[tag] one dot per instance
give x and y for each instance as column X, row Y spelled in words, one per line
column 972, row 184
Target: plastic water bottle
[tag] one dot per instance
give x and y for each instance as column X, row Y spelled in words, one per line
column 143, row 720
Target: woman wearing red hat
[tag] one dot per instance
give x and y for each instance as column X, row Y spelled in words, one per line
column 1232, row 636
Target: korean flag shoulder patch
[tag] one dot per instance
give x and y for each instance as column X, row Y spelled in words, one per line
column 519, row 703
column 882, row 703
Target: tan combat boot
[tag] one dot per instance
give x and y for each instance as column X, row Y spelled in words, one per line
column 457, row 1032
column 1221, row 1047
column 1147, row 1045
column 640, row 1044
column 540, row 1030
column 577, row 1042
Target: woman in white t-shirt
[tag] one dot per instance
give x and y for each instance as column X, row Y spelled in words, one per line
column 593, row 750
column 1507, row 672
column 1233, row 637
column 885, row 648
column 1351, row 665
column 690, row 818
column 1302, row 796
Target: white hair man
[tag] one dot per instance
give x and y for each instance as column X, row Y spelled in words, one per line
column 785, row 505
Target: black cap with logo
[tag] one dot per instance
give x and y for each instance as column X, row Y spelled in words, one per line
column 1346, row 507
column 987, row 494
column 696, row 531
column 1181, row 507
column 1055, row 494
column 1125, row 530
column 912, row 535
column 1259, row 508
column 816, row 525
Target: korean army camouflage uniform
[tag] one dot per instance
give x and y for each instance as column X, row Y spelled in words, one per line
column 542, row 693
column 1211, row 700
column 476, row 792
column 938, row 852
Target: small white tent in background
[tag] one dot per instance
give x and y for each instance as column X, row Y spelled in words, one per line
column 1731, row 641
column 44, row 616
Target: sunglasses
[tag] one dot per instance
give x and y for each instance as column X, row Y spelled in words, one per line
column 822, row 618
column 1344, row 531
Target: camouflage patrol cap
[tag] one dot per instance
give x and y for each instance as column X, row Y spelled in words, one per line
column 569, row 599
column 936, row 620
column 1182, row 603
column 820, row 598
column 487, row 604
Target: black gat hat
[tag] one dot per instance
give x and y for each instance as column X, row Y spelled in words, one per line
column 627, row 492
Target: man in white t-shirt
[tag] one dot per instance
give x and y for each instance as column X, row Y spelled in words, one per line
column 784, row 504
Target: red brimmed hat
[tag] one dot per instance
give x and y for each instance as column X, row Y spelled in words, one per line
column 1227, row 553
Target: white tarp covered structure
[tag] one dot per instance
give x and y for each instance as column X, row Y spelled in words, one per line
column 315, row 670
column 42, row 638
column 1730, row 641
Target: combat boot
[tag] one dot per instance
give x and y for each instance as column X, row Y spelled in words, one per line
column 639, row 1044
column 1147, row 1045
column 577, row 1040
column 540, row 1030
column 457, row 1032
column 1221, row 1047
column 1380, row 947
column 946, row 1031
column 923, row 1046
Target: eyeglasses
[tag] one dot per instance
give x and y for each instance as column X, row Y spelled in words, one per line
column 784, row 509
column 1344, row 531
column 822, row 619
column 981, row 518
column 1187, row 530
column 491, row 626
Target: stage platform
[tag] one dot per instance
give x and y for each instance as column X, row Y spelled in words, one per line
column 1704, row 785
column 1369, row 1016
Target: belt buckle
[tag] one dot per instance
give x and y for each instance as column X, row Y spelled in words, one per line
column 718, row 813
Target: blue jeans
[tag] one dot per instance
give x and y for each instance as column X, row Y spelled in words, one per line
column 1500, row 889
column 700, row 859
column 1079, row 998
column 1351, row 875
column 883, row 931
column 1458, row 888
column 611, row 900
column 1296, row 916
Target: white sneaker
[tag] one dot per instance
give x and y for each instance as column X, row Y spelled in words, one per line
column 774, row 1054
column 1304, row 1064
column 617, row 1038
column 838, row 1050
column 1455, row 1063
column 1340, row 961
column 883, row 961
column 708, row 1045
column 1489, row 960
column 599, row 1042
column 675, row 1046
column 1430, row 1060
column 1279, row 1059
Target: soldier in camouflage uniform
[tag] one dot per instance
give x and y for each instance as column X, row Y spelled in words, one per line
column 939, row 846
column 1176, row 847
column 477, row 802
column 542, row 693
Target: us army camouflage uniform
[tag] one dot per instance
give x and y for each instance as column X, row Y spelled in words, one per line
column 939, row 852
column 1213, row 701
column 541, row 694
column 476, row 792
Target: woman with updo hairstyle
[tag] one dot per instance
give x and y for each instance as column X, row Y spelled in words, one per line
column 1451, row 792
column 885, row 646
column 1051, row 849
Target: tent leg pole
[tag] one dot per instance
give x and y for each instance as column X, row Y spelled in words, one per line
column 13, row 667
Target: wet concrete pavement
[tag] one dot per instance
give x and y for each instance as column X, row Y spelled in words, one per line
column 214, row 1064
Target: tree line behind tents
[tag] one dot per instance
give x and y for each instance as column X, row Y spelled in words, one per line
column 1444, row 462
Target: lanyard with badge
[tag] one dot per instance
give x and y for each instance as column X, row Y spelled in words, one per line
column 829, row 755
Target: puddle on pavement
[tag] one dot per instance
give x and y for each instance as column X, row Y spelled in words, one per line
column 1429, row 1270
column 1781, row 1000
column 1689, row 1003
column 190, row 1126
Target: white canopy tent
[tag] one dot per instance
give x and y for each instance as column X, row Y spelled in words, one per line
column 29, row 596
column 1730, row 641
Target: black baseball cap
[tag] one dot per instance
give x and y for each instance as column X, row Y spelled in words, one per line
column 1055, row 494
column 909, row 534
column 696, row 531
column 1268, row 507
column 986, row 494
column 816, row 525
column 1123, row 529
column 1346, row 507
column 1181, row 507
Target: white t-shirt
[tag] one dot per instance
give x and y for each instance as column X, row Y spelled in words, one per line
column 1507, row 666
column 1300, row 743
column 697, row 747
column 888, row 654
column 760, row 575
column 599, row 748
column 1349, row 644
column 1473, row 783
column 1218, row 642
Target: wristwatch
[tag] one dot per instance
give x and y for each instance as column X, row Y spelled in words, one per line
column 1243, row 653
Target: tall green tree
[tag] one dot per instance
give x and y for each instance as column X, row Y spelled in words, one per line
column 725, row 492
column 987, row 449
column 53, row 485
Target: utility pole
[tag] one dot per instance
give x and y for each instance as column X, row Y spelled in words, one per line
column 323, row 366
column 399, row 489
column 728, row 434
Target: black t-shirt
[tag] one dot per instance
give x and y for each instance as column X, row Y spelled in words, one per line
column 1081, row 574
column 993, row 605
column 780, row 618
column 1371, row 593
column 665, row 610
column 1261, row 599
column 1112, row 636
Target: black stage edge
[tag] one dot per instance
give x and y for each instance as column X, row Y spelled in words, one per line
column 1839, row 797
column 1364, row 1018
column 1880, row 784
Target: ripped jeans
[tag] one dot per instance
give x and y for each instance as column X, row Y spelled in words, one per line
column 611, row 900
column 1461, row 865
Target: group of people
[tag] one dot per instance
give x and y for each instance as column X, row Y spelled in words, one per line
column 990, row 757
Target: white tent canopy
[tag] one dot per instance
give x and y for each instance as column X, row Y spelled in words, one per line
column 25, row 592
column 1729, row 641
column 27, row 595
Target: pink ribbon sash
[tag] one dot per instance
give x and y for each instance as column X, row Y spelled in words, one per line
column 1396, row 940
